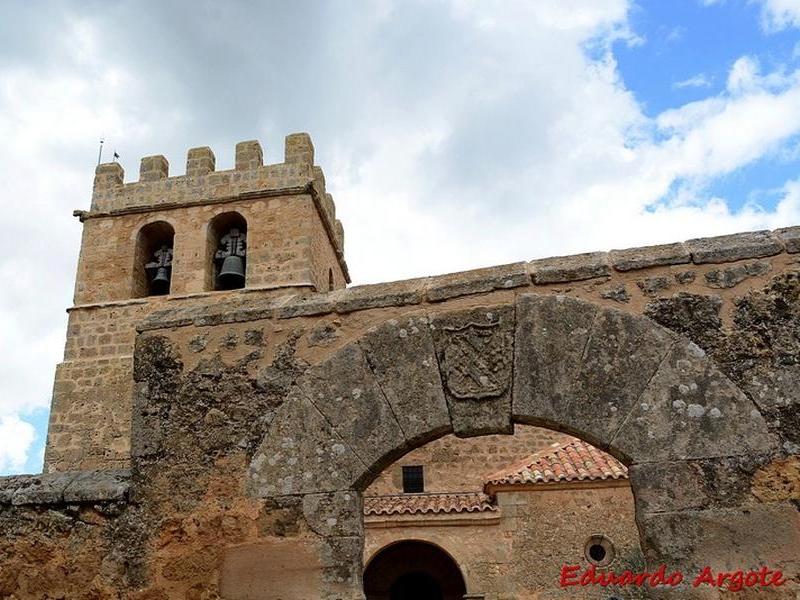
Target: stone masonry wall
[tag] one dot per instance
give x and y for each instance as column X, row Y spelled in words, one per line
column 454, row 464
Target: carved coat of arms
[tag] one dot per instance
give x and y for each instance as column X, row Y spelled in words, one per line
column 476, row 360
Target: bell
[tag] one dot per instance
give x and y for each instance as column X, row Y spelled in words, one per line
column 231, row 275
column 160, row 283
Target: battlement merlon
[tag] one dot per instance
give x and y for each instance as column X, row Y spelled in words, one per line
column 203, row 184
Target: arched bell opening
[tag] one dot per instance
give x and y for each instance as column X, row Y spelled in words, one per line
column 152, row 270
column 413, row 570
column 227, row 252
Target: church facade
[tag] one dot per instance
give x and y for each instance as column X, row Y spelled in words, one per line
column 232, row 421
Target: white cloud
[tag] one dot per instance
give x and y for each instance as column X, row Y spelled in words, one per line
column 696, row 81
column 16, row 438
column 777, row 15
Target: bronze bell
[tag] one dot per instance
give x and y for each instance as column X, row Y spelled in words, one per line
column 231, row 275
column 160, row 283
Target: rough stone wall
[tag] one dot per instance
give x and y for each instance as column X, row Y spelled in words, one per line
column 64, row 536
column 517, row 553
column 454, row 464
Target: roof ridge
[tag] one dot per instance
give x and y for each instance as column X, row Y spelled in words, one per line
column 570, row 460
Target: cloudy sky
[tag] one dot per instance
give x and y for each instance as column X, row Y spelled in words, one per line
column 454, row 134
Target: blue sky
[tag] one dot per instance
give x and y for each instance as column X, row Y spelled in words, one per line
column 454, row 133
column 687, row 52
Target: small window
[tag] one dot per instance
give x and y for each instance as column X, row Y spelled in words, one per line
column 330, row 280
column 413, row 480
column 599, row 550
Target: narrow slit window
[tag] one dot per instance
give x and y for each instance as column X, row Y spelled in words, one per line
column 413, row 480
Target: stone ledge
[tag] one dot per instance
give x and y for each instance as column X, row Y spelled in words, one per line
column 504, row 277
column 546, row 271
column 650, row 256
column 577, row 267
column 737, row 246
column 64, row 488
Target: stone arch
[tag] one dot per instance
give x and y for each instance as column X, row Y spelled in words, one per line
column 619, row 381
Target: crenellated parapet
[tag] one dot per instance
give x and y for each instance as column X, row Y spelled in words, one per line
column 202, row 183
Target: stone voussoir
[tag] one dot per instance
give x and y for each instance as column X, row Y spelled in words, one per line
column 563, row 269
column 737, row 246
column 650, row 256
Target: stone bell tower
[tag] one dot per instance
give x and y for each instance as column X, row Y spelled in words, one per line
column 190, row 240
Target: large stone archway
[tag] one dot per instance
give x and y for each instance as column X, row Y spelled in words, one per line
column 644, row 394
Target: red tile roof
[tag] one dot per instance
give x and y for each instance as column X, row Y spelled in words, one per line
column 415, row 504
column 570, row 461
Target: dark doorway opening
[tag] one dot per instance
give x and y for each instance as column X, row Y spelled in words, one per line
column 413, row 570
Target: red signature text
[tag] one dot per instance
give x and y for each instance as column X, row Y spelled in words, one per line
column 734, row 581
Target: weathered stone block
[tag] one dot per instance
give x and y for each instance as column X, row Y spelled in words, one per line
column 577, row 267
column 344, row 389
column 363, row 297
column 551, row 334
column 274, row 568
column 153, row 168
column 88, row 486
column 652, row 286
column 9, row 484
column 249, row 155
column 336, row 514
column 299, row 149
column 790, row 236
column 504, row 277
column 677, row 485
column 725, row 539
column 729, row 248
column 616, row 292
column 649, row 256
column 317, row 304
column 695, row 316
column 403, row 359
column 728, row 278
column 475, row 351
column 42, row 489
column 621, row 355
column 108, row 175
column 691, row 410
column 200, row 161
column 302, row 454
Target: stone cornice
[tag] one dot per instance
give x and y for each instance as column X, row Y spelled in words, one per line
column 540, row 272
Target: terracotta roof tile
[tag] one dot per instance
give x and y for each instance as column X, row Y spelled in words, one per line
column 570, row 461
column 415, row 504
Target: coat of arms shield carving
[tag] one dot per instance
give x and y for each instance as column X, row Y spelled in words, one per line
column 475, row 360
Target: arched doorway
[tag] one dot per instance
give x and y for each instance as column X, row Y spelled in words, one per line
column 413, row 570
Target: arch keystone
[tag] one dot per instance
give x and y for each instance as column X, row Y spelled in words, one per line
column 475, row 351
